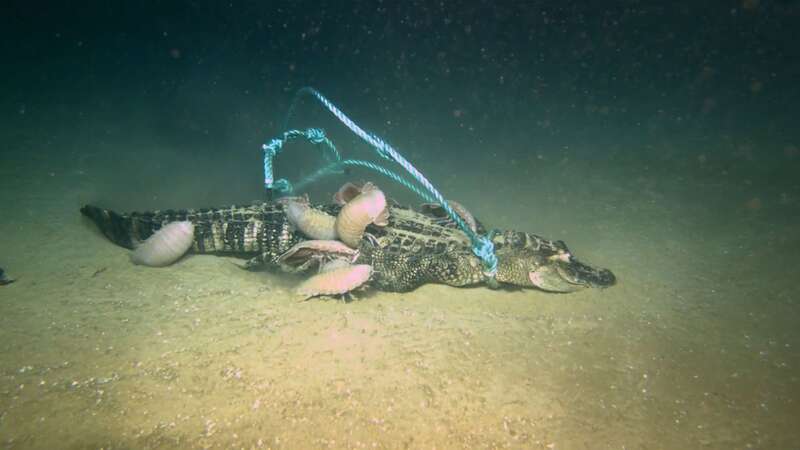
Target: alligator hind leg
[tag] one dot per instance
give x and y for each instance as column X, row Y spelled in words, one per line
column 255, row 264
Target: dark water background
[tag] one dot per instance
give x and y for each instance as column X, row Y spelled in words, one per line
column 448, row 83
column 658, row 139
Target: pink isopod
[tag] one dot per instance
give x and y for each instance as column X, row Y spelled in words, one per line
column 366, row 208
column 165, row 246
column 311, row 222
column 347, row 192
column 335, row 282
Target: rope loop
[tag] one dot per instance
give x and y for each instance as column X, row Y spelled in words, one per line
column 482, row 246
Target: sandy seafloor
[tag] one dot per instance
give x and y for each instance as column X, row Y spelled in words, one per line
column 698, row 346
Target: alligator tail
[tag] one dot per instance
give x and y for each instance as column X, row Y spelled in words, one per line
column 116, row 227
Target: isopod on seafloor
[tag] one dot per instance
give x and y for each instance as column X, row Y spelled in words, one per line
column 335, row 282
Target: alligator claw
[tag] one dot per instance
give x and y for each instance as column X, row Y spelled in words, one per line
column 254, row 264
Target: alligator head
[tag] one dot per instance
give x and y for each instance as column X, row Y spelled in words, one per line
column 527, row 260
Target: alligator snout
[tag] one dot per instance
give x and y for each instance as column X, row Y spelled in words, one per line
column 570, row 276
column 527, row 260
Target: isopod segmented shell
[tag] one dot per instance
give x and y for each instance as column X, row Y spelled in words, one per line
column 311, row 222
column 165, row 246
column 336, row 281
column 366, row 208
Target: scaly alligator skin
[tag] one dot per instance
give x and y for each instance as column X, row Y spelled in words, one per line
column 412, row 250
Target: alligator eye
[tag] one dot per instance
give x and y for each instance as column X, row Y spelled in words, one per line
column 532, row 242
column 517, row 239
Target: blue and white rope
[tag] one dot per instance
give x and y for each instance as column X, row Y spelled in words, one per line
column 482, row 246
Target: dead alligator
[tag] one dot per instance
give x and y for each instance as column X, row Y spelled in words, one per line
column 413, row 249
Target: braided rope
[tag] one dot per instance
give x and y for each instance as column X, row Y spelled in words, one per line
column 271, row 149
column 481, row 246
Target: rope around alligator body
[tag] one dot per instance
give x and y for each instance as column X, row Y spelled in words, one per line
column 482, row 246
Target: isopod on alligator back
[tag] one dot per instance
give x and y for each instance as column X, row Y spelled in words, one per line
column 311, row 222
column 347, row 192
column 366, row 208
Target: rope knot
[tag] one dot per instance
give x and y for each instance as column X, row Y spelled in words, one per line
column 484, row 249
column 315, row 135
column 273, row 147
column 283, row 186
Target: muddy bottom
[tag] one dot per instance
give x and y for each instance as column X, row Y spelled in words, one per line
column 696, row 347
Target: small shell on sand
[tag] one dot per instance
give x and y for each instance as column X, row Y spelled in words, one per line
column 302, row 252
column 165, row 246
column 366, row 208
column 334, row 282
column 311, row 222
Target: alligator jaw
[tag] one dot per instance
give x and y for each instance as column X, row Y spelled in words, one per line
column 550, row 279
